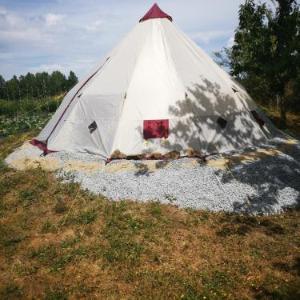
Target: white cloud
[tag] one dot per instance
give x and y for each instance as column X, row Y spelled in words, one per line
column 48, row 68
column 230, row 42
column 53, row 19
column 207, row 36
column 3, row 11
column 15, row 29
column 9, row 19
column 81, row 66
column 26, row 35
column 96, row 26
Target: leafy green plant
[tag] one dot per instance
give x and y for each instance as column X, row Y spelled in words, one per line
column 87, row 217
column 155, row 209
column 27, row 197
column 22, row 123
column 48, row 227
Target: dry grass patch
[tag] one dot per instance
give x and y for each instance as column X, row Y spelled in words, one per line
column 59, row 242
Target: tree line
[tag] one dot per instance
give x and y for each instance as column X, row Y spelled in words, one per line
column 36, row 86
column 265, row 56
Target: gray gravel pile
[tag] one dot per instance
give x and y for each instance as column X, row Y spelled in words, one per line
column 267, row 185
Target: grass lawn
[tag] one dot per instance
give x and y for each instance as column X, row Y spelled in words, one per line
column 59, row 242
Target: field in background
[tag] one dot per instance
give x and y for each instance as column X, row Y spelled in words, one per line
column 25, row 115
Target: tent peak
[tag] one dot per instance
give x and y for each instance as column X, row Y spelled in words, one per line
column 155, row 13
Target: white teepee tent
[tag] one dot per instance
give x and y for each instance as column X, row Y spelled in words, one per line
column 157, row 91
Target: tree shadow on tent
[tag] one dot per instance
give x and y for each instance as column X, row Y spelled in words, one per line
column 212, row 120
column 197, row 123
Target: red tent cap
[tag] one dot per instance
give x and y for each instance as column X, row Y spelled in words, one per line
column 155, row 13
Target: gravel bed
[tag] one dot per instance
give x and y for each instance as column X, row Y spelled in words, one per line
column 265, row 186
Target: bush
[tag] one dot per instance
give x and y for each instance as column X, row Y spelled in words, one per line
column 8, row 108
column 49, row 106
column 13, row 108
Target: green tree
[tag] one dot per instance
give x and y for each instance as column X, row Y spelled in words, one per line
column 58, row 83
column 39, row 85
column 2, row 87
column 265, row 56
column 285, row 52
column 13, row 89
column 72, row 80
column 42, row 83
column 29, row 83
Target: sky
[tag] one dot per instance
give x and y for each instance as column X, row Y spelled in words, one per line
column 47, row 35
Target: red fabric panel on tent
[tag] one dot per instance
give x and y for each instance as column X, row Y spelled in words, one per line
column 156, row 129
column 42, row 146
column 155, row 13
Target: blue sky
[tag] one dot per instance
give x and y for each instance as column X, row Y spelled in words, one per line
column 38, row 35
